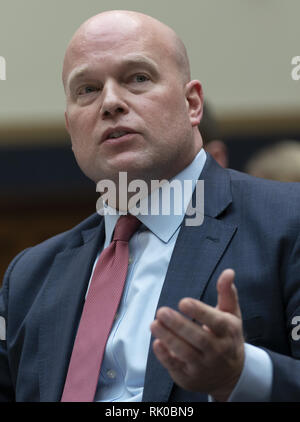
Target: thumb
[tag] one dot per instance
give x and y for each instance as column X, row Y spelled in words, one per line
column 227, row 293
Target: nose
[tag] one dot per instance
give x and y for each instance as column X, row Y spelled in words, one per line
column 113, row 102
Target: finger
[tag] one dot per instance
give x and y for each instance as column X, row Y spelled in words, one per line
column 227, row 293
column 175, row 345
column 189, row 331
column 211, row 317
column 168, row 360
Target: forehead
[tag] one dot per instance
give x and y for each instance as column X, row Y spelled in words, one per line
column 124, row 45
column 128, row 60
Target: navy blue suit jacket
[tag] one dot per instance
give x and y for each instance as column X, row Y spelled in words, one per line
column 250, row 225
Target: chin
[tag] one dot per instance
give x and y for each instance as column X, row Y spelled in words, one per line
column 136, row 165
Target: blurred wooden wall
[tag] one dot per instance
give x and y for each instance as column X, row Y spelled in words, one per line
column 25, row 225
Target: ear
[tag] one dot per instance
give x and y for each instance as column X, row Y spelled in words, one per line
column 194, row 99
column 67, row 122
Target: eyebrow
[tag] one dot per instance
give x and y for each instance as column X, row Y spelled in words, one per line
column 130, row 61
column 137, row 59
column 76, row 73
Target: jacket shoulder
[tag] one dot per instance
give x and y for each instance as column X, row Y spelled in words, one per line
column 265, row 187
column 44, row 252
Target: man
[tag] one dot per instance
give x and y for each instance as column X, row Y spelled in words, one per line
column 132, row 108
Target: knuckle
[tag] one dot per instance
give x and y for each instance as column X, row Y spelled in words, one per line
column 222, row 324
column 199, row 311
column 234, row 327
column 178, row 322
column 190, row 356
column 201, row 339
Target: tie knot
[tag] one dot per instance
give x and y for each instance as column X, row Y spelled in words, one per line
column 126, row 226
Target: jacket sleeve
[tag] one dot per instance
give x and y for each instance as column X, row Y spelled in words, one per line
column 286, row 369
column 6, row 385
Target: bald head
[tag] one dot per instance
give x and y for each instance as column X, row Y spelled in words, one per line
column 122, row 26
column 126, row 77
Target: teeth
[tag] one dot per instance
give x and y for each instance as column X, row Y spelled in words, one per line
column 117, row 134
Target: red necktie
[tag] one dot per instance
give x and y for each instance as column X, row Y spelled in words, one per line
column 98, row 314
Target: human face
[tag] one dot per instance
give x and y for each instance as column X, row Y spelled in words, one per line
column 124, row 83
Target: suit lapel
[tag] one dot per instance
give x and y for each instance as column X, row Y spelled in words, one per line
column 62, row 303
column 197, row 252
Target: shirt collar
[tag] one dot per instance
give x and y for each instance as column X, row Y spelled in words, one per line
column 164, row 226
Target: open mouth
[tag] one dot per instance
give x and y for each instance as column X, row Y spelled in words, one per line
column 118, row 134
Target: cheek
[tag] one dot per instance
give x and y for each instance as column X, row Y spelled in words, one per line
column 170, row 103
column 80, row 128
column 168, row 115
column 80, row 137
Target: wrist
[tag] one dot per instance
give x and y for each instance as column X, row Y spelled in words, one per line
column 223, row 394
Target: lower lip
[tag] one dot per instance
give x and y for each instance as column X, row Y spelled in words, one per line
column 121, row 139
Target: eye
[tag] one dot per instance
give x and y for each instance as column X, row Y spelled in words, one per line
column 140, row 78
column 87, row 89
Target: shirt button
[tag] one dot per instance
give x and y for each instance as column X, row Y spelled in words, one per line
column 130, row 260
column 111, row 373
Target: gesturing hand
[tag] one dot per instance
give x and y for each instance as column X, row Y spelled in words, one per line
column 203, row 350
